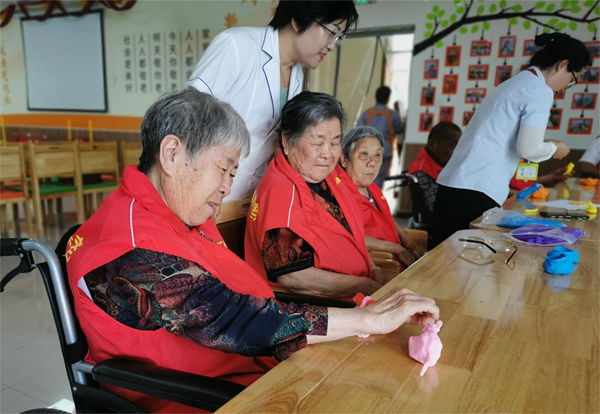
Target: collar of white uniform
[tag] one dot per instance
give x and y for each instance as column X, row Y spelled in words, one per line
column 539, row 76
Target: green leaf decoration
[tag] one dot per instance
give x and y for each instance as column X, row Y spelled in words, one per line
column 453, row 18
column 574, row 2
column 441, row 13
column 589, row 3
column 430, row 16
column 480, row 9
column 565, row 4
column 513, row 21
column 427, row 35
column 518, row 8
column 592, row 27
column 460, row 10
column 552, row 22
column 436, row 8
column 439, row 44
column 550, row 8
column 575, row 9
column 546, row 30
column 493, row 8
column 444, row 23
column 457, row 2
column 573, row 26
column 561, row 25
column 540, row 5
column 503, row 4
column 463, row 30
column 475, row 28
column 486, row 25
column 597, row 11
column 527, row 24
column 429, row 25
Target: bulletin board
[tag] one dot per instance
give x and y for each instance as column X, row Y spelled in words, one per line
column 64, row 63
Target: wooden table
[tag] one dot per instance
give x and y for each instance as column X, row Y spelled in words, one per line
column 515, row 339
column 566, row 190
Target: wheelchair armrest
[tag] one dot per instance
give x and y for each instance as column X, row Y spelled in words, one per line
column 288, row 297
column 181, row 387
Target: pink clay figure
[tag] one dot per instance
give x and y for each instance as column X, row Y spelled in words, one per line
column 427, row 347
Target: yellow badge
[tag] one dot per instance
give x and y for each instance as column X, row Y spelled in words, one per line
column 383, row 197
column 222, row 243
column 74, row 243
column 527, row 171
column 253, row 208
column 338, row 180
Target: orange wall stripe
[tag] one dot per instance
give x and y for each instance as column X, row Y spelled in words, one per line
column 110, row 122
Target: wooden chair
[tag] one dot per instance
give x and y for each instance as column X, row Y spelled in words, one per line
column 99, row 158
column 129, row 153
column 12, row 167
column 51, row 161
column 231, row 223
column 388, row 262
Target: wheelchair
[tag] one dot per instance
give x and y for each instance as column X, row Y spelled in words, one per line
column 193, row 390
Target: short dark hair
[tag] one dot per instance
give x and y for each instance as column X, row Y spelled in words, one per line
column 198, row 119
column 557, row 47
column 382, row 94
column 439, row 132
column 305, row 13
column 306, row 109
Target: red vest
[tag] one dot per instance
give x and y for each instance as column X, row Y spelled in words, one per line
column 283, row 200
column 135, row 216
column 379, row 224
column 426, row 164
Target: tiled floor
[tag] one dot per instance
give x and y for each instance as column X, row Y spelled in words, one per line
column 32, row 372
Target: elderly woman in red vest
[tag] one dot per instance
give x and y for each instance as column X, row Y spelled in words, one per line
column 152, row 279
column 362, row 154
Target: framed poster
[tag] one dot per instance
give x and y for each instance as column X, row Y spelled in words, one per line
column 446, row 114
column 584, row 100
column 580, row 126
column 555, row 118
column 475, row 95
column 594, row 48
column 478, row 72
column 450, row 84
column 589, row 75
column 480, row 48
column 427, row 96
column 467, row 115
column 560, row 94
column 432, row 67
column 507, row 46
column 425, row 122
column 503, row 73
column 529, row 47
column 453, row 55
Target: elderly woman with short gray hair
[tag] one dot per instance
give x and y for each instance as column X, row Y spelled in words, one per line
column 362, row 155
column 304, row 231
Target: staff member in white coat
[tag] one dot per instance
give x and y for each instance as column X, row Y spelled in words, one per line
column 509, row 124
column 258, row 70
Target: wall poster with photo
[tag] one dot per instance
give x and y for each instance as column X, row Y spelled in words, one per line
column 507, row 46
column 481, row 48
column 584, row 100
column 467, row 115
column 446, row 114
column 478, row 72
column 555, row 118
column 475, row 95
column 590, row 75
column 529, row 47
column 580, row 126
column 503, row 73
column 594, row 48
column 432, row 67
column 560, row 94
column 450, row 85
column 428, row 96
column 425, row 122
column 453, row 55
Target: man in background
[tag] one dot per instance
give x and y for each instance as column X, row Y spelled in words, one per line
column 388, row 123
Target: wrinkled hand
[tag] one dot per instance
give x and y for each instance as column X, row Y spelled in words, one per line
column 414, row 248
column 404, row 256
column 378, row 275
column 559, row 175
column 397, row 307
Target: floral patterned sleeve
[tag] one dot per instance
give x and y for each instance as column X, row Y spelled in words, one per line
column 148, row 290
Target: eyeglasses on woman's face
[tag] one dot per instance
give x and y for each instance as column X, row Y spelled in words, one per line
column 334, row 38
column 573, row 82
column 478, row 249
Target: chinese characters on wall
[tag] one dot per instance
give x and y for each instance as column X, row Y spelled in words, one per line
column 4, row 77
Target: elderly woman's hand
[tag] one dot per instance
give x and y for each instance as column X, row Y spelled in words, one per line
column 404, row 256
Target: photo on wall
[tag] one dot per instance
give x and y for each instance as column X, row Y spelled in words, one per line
column 560, row 94
column 425, row 122
column 594, row 48
column 478, row 72
column 427, row 96
column 580, row 126
column 446, row 114
column 453, row 55
column 529, row 47
column 432, row 67
column 481, row 48
column 555, row 118
column 450, row 85
column 590, row 75
column 584, row 100
column 467, row 115
column 475, row 95
column 503, row 73
column 507, row 46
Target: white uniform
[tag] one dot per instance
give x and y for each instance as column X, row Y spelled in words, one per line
column 486, row 156
column 241, row 67
column 592, row 155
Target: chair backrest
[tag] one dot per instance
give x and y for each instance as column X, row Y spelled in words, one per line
column 98, row 157
column 51, row 160
column 232, row 225
column 12, row 163
column 130, row 153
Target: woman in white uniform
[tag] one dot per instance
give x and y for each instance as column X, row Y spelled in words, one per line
column 258, row 70
column 509, row 124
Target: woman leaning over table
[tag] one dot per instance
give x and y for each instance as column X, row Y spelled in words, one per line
column 304, row 230
column 362, row 149
column 509, row 124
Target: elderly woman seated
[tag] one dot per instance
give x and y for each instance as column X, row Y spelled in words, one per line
column 152, row 279
column 304, row 230
column 362, row 152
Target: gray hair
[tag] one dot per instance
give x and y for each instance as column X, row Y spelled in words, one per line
column 355, row 134
column 306, row 109
column 198, row 119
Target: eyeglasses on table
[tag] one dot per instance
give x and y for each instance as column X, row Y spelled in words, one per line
column 477, row 248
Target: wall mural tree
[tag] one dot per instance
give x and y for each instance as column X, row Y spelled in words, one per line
column 442, row 22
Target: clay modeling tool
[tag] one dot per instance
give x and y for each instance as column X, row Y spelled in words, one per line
column 528, row 191
column 569, row 168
